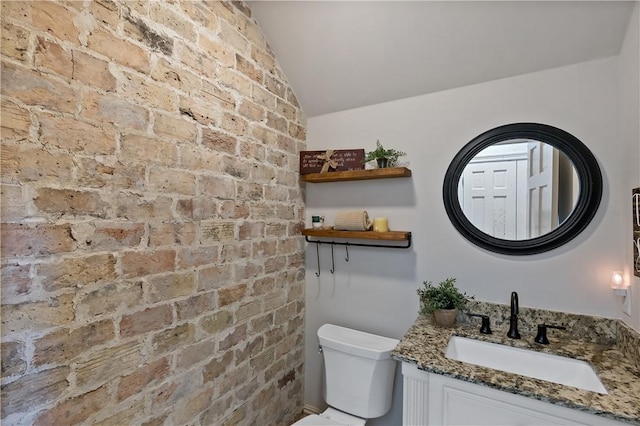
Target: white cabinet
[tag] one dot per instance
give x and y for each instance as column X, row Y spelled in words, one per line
column 432, row 399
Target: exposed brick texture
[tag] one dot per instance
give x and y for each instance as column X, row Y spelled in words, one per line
column 152, row 267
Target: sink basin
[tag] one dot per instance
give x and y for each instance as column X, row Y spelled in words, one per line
column 538, row 365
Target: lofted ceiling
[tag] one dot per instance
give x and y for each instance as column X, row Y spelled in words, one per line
column 339, row 55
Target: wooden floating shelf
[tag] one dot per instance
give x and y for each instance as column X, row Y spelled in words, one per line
column 392, row 172
column 357, row 235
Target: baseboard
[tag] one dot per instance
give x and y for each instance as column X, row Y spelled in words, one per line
column 310, row 409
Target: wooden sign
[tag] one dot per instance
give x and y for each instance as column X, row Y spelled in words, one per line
column 331, row 160
column 635, row 204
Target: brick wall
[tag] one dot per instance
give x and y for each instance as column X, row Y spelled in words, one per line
column 152, row 268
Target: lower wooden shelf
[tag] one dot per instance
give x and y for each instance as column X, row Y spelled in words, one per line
column 390, row 239
column 391, row 236
column 359, row 235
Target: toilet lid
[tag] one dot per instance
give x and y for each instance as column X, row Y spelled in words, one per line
column 316, row 420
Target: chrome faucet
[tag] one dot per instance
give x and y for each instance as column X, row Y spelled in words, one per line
column 513, row 319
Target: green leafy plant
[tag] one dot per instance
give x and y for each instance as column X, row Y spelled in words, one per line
column 390, row 154
column 443, row 296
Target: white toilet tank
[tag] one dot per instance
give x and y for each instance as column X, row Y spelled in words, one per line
column 359, row 370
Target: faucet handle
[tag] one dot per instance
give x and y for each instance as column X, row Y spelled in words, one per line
column 541, row 337
column 486, row 327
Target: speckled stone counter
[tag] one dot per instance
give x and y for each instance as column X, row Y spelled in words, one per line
column 424, row 344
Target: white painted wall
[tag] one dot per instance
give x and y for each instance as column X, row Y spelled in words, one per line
column 629, row 89
column 376, row 290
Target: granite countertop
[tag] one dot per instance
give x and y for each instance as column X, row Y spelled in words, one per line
column 424, row 344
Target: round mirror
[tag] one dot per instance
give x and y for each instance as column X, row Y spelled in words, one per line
column 522, row 188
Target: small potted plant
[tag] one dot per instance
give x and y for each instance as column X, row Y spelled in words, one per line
column 384, row 157
column 442, row 300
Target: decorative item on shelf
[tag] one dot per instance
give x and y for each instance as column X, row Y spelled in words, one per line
column 442, row 300
column 353, row 220
column 384, row 157
column 328, row 161
column 317, row 221
column 380, row 224
column 331, row 160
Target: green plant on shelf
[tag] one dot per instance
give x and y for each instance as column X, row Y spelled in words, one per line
column 381, row 155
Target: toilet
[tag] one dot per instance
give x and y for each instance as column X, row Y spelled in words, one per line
column 358, row 379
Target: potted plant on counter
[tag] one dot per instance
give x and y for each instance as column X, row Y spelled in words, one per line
column 442, row 300
column 384, row 157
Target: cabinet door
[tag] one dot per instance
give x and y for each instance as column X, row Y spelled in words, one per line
column 455, row 402
column 432, row 399
column 461, row 407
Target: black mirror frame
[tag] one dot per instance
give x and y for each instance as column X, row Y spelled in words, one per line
column 587, row 170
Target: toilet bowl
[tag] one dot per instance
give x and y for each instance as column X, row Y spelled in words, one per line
column 358, row 379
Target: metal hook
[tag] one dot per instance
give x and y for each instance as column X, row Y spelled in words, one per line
column 318, row 256
column 333, row 264
column 346, row 247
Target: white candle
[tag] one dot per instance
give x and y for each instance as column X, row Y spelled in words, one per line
column 380, row 224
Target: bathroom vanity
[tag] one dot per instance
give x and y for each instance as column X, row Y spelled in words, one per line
column 438, row 390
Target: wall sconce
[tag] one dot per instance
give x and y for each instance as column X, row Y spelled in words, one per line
column 617, row 283
column 620, row 289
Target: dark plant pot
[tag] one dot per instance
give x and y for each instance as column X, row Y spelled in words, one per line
column 383, row 163
column 445, row 317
